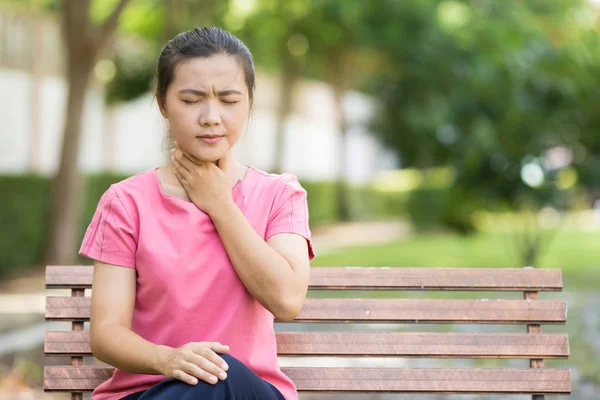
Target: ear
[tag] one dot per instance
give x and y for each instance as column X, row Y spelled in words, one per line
column 162, row 106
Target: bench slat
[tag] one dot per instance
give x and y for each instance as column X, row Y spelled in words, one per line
column 430, row 380
column 400, row 278
column 383, row 310
column 423, row 345
column 389, row 344
column 76, row 379
column 383, row 278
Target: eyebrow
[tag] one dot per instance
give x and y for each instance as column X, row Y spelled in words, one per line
column 202, row 93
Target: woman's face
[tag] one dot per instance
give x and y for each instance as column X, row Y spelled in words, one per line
column 207, row 105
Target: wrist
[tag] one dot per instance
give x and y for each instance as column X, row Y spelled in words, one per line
column 223, row 211
column 161, row 354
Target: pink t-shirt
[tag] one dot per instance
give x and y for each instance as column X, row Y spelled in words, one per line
column 187, row 288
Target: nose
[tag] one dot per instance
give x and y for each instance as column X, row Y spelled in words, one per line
column 209, row 114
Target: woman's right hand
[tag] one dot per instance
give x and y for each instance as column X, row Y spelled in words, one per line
column 193, row 361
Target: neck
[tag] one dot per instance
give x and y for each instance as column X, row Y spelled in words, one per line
column 234, row 173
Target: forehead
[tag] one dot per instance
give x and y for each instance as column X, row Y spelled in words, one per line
column 218, row 71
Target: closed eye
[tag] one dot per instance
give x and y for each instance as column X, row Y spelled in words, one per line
column 189, row 102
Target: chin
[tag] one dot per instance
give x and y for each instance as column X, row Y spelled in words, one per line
column 208, row 156
column 208, row 153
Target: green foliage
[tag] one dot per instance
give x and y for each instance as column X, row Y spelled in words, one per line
column 366, row 203
column 95, row 186
column 33, row 5
column 22, row 215
column 145, row 27
column 321, row 202
column 135, row 68
column 482, row 87
column 486, row 87
column 425, row 207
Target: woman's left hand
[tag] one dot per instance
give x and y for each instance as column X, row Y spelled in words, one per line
column 206, row 184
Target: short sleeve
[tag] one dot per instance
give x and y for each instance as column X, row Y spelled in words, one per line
column 111, row 237
column 290, row 213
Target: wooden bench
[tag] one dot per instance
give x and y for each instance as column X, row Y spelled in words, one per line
column 532, row 344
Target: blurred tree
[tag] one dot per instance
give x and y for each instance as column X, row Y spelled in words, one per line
column 84, row 40
column 317, row 38
column 330, row 29
column 146, row 26
column 340, row 56
column 271, row 31
column 490, row 88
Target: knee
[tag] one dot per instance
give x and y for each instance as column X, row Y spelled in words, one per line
column 230, row 360
column 235, row 365
column 236, row 371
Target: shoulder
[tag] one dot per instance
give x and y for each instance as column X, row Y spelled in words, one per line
column 131, row 191
column 135, row 185
column 277, row 183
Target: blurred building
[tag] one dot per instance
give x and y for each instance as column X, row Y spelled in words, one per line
column 129, row 137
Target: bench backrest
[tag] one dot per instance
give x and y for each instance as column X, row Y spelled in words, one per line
column 529, row 311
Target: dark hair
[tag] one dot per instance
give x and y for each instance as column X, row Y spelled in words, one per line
column 201, row 42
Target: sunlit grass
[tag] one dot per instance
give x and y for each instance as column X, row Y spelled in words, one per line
column 576, row 253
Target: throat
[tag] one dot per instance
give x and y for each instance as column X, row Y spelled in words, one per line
column 170, row 184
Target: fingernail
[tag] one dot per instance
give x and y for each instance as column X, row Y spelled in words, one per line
column 225, row 366
column 213, row 379
column 223, row 375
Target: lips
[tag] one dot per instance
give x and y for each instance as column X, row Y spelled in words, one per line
column 210, row 138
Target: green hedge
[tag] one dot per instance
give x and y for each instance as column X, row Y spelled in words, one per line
column 24, row 207
column 366, row 204
column 322, row 205
column 24, row 211
column 24, row 214
column 95, row 186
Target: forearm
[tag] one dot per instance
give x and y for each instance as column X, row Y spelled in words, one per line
column 124, row 349
column 267, row 275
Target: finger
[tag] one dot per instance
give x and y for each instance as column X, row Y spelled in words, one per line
column 179, row 175
column 191, row 158
column 183, row 167
column 184, row 377
column 201, row 372
column 185, row 161
column 198, row 373
column 206, row 365
column 211, row 356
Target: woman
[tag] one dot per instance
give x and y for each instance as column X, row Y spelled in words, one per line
column 195, row 259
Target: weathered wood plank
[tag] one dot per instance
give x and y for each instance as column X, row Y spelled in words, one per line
column 431, row 380
column 376, row 344
column 383, row 310
column 383, row 278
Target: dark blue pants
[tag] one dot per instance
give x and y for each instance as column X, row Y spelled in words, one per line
column 241, row 384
